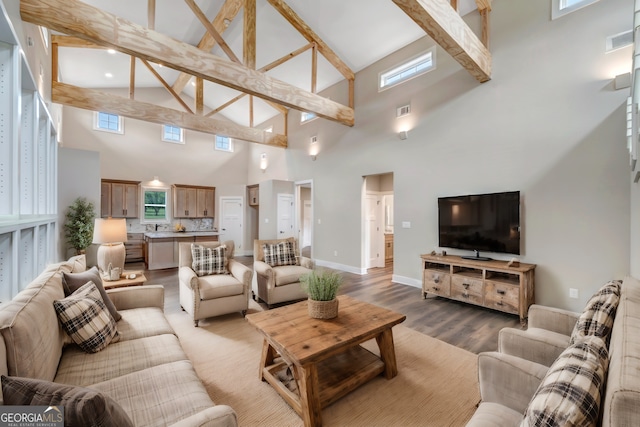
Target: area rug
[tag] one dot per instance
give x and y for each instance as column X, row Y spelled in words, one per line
column 436, row 383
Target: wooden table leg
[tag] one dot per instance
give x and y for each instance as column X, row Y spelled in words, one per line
column 309, row 395
column 387, row 353
column 268, row 354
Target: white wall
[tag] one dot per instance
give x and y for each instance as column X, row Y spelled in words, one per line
column 78, row 176
column 549, row 124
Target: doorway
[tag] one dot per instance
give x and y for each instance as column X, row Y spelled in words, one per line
column 377, row 220
column 304, row 217
column 231, row 220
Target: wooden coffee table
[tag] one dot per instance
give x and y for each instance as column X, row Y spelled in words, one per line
column 325, row 357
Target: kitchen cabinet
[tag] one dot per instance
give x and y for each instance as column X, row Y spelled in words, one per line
column 134, row 247
column 193, row 201
column 119, row 199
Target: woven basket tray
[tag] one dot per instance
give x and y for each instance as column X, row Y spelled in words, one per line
column 323, row 309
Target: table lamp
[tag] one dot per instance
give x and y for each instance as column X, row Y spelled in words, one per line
column 110, row 233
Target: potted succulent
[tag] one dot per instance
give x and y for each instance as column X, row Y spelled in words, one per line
column 78, row 226
column 322, row 288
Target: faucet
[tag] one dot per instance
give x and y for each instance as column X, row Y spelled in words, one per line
column 156, row 227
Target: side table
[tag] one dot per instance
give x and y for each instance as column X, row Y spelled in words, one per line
column 123, row 281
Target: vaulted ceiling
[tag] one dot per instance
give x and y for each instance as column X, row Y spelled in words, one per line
column 297, row 47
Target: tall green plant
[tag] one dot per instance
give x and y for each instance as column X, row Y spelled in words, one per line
column 321, row 285
column 79, row 224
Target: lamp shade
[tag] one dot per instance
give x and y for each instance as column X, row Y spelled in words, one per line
column 109, row 230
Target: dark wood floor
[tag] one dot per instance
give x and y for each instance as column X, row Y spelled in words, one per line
column 470, row 327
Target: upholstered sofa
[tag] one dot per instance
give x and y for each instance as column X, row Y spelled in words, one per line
column 511, row 385
column 144, row 373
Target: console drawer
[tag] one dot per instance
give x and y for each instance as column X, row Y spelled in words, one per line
column 501, row 296
column 467, row 289
column 437, row 282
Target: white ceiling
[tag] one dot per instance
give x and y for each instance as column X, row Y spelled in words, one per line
column 360, row 32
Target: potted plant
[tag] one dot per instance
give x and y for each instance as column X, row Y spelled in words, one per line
column 322, row 287
column 78, row 226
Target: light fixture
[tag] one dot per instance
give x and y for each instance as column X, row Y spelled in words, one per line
column 403, row 134
column 313, row 149
column 110, row 233
column 263, row 162
column 111, row 51
column 108, row 75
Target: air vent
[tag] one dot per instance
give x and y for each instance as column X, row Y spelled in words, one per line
column 403, row 111
column 619, row 41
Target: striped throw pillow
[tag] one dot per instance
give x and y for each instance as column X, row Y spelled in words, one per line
column 85, row 318
column 571, row 391
column 279, row 254
column 207, row 261
column 599, row 313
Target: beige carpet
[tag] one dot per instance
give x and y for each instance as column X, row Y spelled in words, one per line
column 436, row 383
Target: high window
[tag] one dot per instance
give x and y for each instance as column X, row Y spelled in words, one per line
column 173, row 134
column 108, row 122
column 562, row 7
column 306, row 116
column 414, row 67
column 224, row 143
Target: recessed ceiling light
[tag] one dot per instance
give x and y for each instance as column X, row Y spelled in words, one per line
column 193, row 83
column 108, row 75
column 111, row 51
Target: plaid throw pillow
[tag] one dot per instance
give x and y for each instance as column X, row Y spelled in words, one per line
column 85, row 318
column 82, row 406
column 279, row 254
column 571, row 391
column 599, row 313
column 208, row 261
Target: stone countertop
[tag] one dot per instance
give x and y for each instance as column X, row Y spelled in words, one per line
column 170, row 234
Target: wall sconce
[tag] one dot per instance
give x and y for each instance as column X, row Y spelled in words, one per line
column 403, row 134
column 313, row 149
column 263, row 162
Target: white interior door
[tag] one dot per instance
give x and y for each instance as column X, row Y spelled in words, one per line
column 306, row 224
column 372, row 245
column 285, row 212
column 231, row 219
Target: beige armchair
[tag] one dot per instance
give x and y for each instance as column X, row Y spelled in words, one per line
column 215, row 294
column 279, row 283
column 547, row 335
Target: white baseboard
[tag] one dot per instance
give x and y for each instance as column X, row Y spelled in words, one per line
column 416, row 283
column 341, row 267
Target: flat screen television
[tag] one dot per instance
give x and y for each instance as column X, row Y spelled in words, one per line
column 480, row 222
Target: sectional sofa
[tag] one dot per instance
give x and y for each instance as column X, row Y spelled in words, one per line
column 567, row 368
column 142, row 376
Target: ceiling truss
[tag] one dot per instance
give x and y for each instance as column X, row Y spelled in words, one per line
column 440, row 20
column 91, row 27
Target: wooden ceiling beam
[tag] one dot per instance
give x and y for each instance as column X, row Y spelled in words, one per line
column 312, row 37
column 226, row 14
column 95, row 100
column 166, row 85
column 79, row 19
column 449, row 30
column 212, row 30
column 151, row 14
column 483, row 5
column 70, row 41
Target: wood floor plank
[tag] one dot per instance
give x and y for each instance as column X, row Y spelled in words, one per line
column 464, row 325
